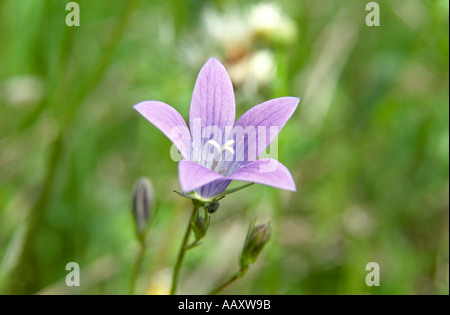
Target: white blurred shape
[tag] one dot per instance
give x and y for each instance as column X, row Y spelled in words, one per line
column 22, row 90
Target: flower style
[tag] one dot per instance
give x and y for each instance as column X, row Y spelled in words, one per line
column 215, row 149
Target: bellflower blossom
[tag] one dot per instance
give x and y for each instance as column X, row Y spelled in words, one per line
column 215, row 149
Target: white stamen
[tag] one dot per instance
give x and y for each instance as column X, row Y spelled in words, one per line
column 228, row 143
column 215, row 144
column 227, row 146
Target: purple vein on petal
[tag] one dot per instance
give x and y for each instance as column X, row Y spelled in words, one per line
column 213, row 97
column 272, row 113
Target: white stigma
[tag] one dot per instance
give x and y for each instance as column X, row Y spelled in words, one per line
column 227, row 146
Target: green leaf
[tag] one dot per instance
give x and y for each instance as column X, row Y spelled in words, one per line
column 230, row 191
column 185, row 195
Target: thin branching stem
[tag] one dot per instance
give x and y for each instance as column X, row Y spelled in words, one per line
column 233, row 278
column 137, row 267
column 183, row 248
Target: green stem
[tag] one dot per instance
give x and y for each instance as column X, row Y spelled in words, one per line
column 137, row 267
column 236, row 276
column 183, row 248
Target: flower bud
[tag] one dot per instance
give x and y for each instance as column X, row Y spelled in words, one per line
column 257, row 238
column 143, row 197
column 199, row 226
column 212, row 207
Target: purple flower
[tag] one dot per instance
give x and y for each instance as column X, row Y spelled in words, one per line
column 215, row 149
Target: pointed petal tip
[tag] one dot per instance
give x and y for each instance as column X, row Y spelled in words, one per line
column 292, row 187
column 289, row 184
column 295, row 100
column 141, row 105
column 136, row 106
column 214, row 62
column 213, row 59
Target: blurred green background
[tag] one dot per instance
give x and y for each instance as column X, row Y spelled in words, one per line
column 368, row 146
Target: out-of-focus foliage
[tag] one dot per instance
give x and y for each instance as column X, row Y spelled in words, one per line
column 368, row 146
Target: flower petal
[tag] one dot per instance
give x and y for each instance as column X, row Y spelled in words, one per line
column 213, row 189
column 265, row 171
column 272, row 113
column 169, row 121
column 256, row 129
column 193, row 175
column 213, row 97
